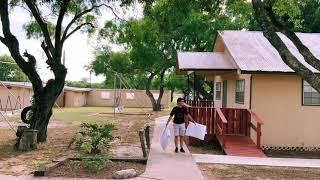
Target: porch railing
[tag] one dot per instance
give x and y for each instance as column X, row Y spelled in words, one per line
column 221, row 126
column 257, row 128
column 202, row 103
column 205, row 116
column 228, row 121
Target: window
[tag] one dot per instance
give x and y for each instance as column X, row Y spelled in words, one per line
column 218, row 90
column 130, row 96
column 310, row 95
column 105, row 95
column 240, row 91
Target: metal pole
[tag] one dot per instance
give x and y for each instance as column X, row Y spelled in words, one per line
column 194, row 86
column 114, row 96
column 188, row 82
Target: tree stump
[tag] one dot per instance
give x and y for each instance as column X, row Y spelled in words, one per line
column 27, row 140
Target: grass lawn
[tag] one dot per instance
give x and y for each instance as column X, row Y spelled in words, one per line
column 63, row 126
column 244, row 172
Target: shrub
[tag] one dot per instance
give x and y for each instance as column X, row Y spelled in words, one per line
column 91, row 140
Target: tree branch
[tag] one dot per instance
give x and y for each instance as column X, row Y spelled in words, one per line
column 43, row 25
column 75, row 30
column 270, row 33
column 78, row 16
column 13, row 45
column 304, row 51
column 47, row 52
column 58, row 45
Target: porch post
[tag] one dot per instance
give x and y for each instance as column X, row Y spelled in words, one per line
column 188, row 82
column 194, row 86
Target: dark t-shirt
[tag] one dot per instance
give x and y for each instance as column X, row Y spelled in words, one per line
column 179, row 113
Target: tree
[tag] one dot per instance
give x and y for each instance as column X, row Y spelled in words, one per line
column 53, row 36
column 9, row 70
column 153, row 42
column 285, row 16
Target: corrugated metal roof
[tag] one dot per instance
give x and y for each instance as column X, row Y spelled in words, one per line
column 203, row 60
column 29, row 85
column 251, row 51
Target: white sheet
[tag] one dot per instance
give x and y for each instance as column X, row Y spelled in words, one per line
column 165, row 138
column 196, row 130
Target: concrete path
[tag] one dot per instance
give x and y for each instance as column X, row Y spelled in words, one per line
column 257, row 161
column 169, row 165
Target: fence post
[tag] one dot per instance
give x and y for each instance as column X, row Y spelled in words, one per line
column 147, row 134
column 143, row 147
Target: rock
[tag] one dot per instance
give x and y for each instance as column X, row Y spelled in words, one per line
column 123, row 174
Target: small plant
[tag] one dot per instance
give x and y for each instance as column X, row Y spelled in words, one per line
column 95, row 163
column 92, row 140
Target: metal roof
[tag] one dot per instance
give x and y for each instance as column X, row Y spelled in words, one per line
column 251, row 51
column 204, row 61
column 29, row 85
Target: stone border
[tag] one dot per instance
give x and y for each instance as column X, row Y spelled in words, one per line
column 45, row 170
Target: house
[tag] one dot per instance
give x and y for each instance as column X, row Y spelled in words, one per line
column 248, row 73
column 16, row 95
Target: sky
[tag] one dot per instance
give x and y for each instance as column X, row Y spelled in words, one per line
column 78, row 48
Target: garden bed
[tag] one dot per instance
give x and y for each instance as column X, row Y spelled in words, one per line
column 74, row 169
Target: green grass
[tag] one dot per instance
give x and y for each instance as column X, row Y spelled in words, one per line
column 87, row 114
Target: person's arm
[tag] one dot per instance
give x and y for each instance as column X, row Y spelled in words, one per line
column 168, row 120
column 191, row 119
column 173, row 111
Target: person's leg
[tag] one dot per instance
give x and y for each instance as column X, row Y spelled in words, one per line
column 181, row 141
column 176, row 141
column 181, row 135
column 176, row 136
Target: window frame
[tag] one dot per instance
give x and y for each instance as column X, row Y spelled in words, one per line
column 216, row 90
column 303, row 95
column 244, row 85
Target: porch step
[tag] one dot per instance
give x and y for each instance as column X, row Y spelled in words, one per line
column 242, row 146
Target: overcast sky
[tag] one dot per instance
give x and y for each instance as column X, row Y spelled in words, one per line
column 78, row 48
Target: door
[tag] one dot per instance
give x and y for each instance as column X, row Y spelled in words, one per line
column 224, row 93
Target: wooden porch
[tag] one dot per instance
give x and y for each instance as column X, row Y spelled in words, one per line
column 231, row 126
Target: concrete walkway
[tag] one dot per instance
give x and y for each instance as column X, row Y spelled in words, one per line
column 257, row 161
column 169, row 165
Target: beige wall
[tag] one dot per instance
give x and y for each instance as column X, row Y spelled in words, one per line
column 24, row 94
column 140, row 98
column 277, row 99
column 231, row 90
column 75, row 99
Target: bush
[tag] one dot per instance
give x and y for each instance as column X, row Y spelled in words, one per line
column 91, row 140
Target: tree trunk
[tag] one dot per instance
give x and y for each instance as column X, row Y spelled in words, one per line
column 156, row 104
column 149, row 93
column 42, row 108
column 171, row 96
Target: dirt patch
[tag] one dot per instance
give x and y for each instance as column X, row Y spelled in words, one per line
column 206, row 147
column 294, row 154
column 73, row 169
column 66, row 123
column 20, row 123
column 219, row 171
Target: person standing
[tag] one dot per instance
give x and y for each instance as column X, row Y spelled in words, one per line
column 179, row 112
